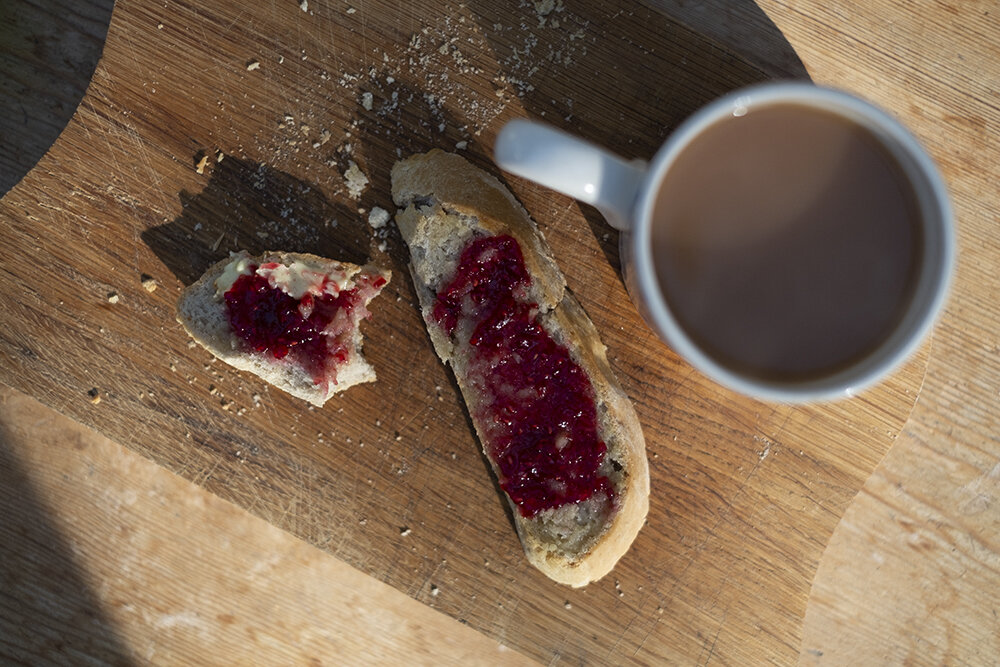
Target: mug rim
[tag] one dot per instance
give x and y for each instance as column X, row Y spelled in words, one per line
column 932, row 283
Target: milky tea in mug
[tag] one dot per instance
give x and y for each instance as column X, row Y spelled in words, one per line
column 792, row 242
column 786, row 241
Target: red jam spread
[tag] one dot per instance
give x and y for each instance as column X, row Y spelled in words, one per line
column 308, row 331
column 539, row 412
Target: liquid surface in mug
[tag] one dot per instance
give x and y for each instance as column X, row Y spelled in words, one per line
column 786, row 242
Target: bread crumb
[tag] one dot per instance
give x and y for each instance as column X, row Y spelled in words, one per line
column 95, row 396
column 253, row 64
column 435, row 590
column 148, row 282
column 378, row 217
column 404, row 531
column 304, row 5
column 159, row 26
column 544, row 7
column 219, row 155
column 351, row 10
column 355, row 180
column 201, row 160
column 567, row 605
column 367, row 100
column 112, row 297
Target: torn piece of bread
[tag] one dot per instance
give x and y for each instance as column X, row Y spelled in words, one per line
column 290, row 318
column 561, row 435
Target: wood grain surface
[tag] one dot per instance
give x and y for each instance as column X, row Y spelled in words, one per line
column 745, row 495
column 150, row 569
column 912, row 572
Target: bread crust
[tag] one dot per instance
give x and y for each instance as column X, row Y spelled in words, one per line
column 203, row 317
column 441, row 195
column 471, row 192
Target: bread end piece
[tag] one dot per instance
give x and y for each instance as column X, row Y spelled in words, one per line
column 203, row 316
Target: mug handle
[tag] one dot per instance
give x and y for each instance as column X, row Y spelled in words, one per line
column 572, row 166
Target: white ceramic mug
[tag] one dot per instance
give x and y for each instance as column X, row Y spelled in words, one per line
column 626, row 192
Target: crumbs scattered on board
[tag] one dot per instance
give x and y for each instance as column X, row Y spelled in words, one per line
column 429, row 85
column 433, row 80
column 200, row 161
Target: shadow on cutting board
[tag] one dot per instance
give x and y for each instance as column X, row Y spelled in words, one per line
column 45, row 65
column 255, row 207
column 51, row 615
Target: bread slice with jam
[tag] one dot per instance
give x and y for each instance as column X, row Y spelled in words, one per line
column 290, row 318
column 561, row 435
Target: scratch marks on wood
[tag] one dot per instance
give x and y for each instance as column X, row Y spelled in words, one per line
column 202, row 478
column 621, row 635
column 714, row 641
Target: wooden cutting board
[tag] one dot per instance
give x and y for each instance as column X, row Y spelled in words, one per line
column 210, row 129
